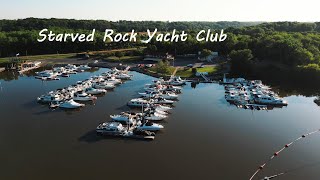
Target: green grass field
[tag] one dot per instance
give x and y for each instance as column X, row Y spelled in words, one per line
column 72, row 55
column 188, row 72
column 154, row 70
column 40, row 57
column 124, row 58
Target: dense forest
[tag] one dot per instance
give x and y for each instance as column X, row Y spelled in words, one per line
column 292, row 44
column 121, row 26
column 19, row 36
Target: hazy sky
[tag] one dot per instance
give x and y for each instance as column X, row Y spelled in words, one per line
column 165, row 10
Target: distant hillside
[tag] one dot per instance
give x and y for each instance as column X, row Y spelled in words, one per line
column 121, row 26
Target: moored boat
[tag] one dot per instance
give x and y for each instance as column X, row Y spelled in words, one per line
column 71, row 104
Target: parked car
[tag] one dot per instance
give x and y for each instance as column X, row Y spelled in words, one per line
column 149, row 65
column 190, row 65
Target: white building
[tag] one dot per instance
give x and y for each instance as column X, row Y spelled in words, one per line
column 210, row 57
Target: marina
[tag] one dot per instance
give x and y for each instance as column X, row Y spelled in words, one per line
column 145, row 90
column 154, row 101
column 28, row 66
column 251, row 94
column 200, row 121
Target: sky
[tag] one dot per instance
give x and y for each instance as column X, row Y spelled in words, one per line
column 165, row 10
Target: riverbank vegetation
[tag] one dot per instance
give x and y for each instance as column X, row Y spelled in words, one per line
column 162, row 68
column 191, row 72
column 250, row 46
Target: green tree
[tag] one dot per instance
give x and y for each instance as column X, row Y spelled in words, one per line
column 152, row 49
column 163, row 67
column 241, row 61
column 119, row 54
column 205, row 53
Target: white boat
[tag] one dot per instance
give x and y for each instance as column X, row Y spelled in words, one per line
column 104, row 86
column 94, row 91
column 265, row 99
column 71, row 71
column 155, row 116
column 168, row 95
column 158, row 110
column 65, row 74
column 161, row 101
column 138, row 102
column 147, row 94
column 71, row 67
column 123, row 76
column 49, row 78
column 83, row 97
column 155, row 109
column 54, row 104
column 160, row 107
column 152, row 90
column 149, row 126
column 124, row 117
column 47, row 98
column 84, row 67
column 176, row 81
column 117, row 129
column 71, row 104
column 111, row 128
column 46, row 74
column 139, row 134
column 59, row 69
column 112, row 81
column 232, row 97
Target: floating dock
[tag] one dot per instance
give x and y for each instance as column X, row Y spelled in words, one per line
column 25, row 67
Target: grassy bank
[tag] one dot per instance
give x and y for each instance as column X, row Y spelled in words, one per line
column 40, row 57
column 154, row 69
column 105, row 54
column 182, row 72
column 124, row 58
column 187, row 72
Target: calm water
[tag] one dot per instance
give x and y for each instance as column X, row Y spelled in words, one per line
column 204, row 137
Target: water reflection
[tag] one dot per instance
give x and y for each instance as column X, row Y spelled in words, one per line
column 317, row 101
column 194, row 84
column 10, row 75
column 204, row 136
column 285, row 83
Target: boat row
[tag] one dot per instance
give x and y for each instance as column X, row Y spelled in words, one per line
column 251, row 94
column 73, row 96
column 63, row 71
column 155, row 102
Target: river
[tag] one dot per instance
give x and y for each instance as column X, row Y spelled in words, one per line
column 204, row 137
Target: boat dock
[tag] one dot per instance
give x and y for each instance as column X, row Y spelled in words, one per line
column 206, row 79
column 25, row 67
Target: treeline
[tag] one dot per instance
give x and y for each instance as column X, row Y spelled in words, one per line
column 292, row 44
column 25, row 43
column 120, row 26
column 20, row 36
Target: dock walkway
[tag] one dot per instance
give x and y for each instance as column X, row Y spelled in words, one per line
column 206, row 79
column 197, row 65
column 175, row 71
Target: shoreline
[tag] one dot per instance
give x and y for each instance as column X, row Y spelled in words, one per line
column 133, row 67
column 50, row 63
